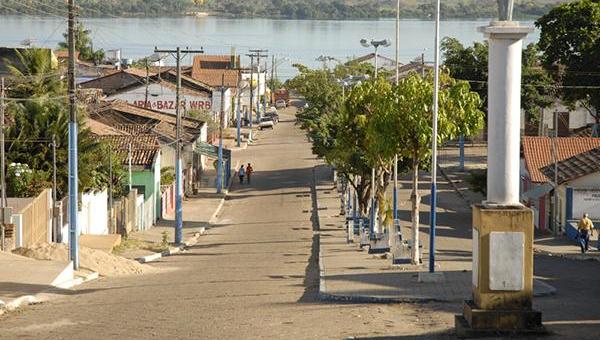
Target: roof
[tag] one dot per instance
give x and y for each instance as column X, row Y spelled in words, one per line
column 208, row 61
column 64, row 54
column 575, row 167
column 144, row 148
column 213, row 78
column 132, row 78
column 134, row 119
column 100, row 129
column 368, row 57
column 538, row 152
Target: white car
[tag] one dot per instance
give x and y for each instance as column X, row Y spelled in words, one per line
column 265, row 123
column 280, row 104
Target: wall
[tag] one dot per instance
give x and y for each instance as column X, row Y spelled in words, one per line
column 33, row 221
column 93, row 215
column 162, row 98
column 216, row 104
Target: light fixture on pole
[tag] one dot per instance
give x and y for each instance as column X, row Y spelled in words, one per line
column 374, row 247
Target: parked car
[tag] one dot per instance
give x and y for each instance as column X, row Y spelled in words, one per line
column 266, row 123
column 273, row 114
column 280, row 104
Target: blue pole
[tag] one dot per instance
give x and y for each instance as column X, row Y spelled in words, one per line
column 239, row 125
column 178, row 202
column 73, row 197
column 461, row 145
column 433, row 217
column 220, row 168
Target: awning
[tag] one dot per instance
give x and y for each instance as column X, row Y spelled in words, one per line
column 211, row 151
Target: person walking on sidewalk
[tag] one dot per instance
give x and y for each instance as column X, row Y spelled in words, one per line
column 586, row 228
column 242, row 173
column 249, row 171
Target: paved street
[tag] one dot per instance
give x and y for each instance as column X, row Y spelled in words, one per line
column 255, row 276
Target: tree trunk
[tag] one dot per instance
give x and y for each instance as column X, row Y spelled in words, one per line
column 416, row 200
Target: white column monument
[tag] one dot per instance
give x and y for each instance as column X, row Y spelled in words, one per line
column 502, row 227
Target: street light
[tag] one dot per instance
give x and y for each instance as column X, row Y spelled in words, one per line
column 376, row 44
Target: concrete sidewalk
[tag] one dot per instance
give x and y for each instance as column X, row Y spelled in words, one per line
column 351, row 274
column 564, row 247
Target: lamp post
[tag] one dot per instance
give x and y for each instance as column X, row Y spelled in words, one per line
column 376, row 44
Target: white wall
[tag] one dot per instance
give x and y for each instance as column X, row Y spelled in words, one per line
column 93, row 216
column 162, row 98
column 577, row 118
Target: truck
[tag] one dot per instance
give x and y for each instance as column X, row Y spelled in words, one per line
column 282, row 94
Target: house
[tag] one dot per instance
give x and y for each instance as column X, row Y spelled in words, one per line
column 157, row 91
column 578, row 188
column 216, row 62
column 536, row 187
column 134, row 120
column 142, row 153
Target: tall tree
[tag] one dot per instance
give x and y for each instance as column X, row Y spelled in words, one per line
column 83, row 44
column 471, row 64
column 570, row 40
column 42, row 113
column 408, row 126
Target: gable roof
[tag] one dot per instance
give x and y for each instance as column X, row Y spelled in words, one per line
column 208, row 61
column 144, row 148
column 575, row 167
column 213, row 77
column 134, row 120
column 132, row 78
column 538, row 152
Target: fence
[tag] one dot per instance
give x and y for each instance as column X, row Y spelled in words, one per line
column 33, row 221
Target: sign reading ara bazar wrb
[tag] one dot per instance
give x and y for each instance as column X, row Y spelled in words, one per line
column 162, row 105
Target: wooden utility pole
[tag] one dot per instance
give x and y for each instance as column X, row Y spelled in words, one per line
column 2, row 166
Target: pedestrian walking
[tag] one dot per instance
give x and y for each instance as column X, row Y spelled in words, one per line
column 586, row 228
column 249, row 171
column 241, row 174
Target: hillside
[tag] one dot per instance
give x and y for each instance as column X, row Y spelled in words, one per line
column 293, row 9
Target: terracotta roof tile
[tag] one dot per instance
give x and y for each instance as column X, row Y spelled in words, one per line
column 208, row 61
column 213, row 77
column 538, row 152
column 575, row 167
column 144, row 148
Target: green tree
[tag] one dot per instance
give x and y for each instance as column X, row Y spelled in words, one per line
column 471, row 64
column 41, row 114
column 570, row 40
column 408, row 126
column 83, row 45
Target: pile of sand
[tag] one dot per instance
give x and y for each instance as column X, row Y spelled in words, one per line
column 95, row 260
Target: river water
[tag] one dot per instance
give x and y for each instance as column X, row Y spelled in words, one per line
column 291, row 41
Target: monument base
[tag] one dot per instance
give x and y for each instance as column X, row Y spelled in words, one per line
column 476, row 323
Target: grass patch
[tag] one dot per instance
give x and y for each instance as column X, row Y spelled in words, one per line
column 132, row 244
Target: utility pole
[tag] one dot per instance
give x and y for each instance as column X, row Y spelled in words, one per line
column 259, row 53
column 220, row 155
column 395, row 193
column 2, row 166
column 110, row 188
column 73, row 168
column 555, row 225
column 178, row 166
column 239, row 109
column 272, row 77
column 433, row 214
column 147, row 82
column 251, row 91
column 265, row 95
column 54, row 214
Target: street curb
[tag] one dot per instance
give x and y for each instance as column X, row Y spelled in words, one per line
column 573, row 257
column 366, row 299
column 27, row 300
column 173, row 250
